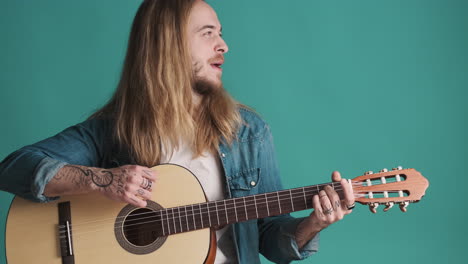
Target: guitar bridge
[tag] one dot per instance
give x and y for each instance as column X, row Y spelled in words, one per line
column 65, row 233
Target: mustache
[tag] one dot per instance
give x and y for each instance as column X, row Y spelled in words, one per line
column 217, row 58
column 197, row 65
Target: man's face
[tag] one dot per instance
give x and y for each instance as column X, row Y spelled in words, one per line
column 205, row 42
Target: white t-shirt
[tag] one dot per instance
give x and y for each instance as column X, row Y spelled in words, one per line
column 207, row 169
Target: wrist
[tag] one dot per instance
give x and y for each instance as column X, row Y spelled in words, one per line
column 306, row 230
column 87, row 178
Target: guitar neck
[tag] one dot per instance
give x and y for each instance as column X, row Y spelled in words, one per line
column 222, row 212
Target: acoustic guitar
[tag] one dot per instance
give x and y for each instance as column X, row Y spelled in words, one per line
column 177, row 226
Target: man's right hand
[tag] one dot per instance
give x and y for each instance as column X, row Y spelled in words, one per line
column 131, row 184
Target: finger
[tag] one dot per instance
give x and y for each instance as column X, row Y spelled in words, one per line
column 149, row 173
column 136, row 201
column 348, row 193
column 326, row 204
column 146, row 195
column 146, row 183
column 336, row 176
column 333, row 197
column 317, row 206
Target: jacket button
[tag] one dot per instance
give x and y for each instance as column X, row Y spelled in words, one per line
column 253, row 183
column 223, row 155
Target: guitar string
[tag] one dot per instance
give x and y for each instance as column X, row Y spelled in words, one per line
column 186, row 225
column 209, row 205
column 212, row 203
column 178, row 224
column 179, row 227
column 190, row 214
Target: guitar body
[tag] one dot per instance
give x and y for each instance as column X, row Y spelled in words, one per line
column 32, row 234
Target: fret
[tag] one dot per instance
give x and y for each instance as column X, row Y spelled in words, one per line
column 245, row 208
column 225, row 210
column 267, row 205
column 256, row 210
column 180, row 219
column 235, row 209
column 186, row 218
column 299, row 203
column 201, row 215
column 193, row 216
column 279, row 203
column 168, row 225
column 162, row 222
column 271, row 203
column 221, row 214
column 208, row 210
column 173, row 220
column 305, row 199
column 217, row 213
column 290, row 196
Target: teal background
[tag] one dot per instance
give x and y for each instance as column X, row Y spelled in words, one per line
column 345, row 85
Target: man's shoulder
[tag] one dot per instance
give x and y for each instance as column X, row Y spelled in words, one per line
column 252, row 126
column 95, row 125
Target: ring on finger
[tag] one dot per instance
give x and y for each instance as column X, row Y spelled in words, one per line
column 150, row 183
column 147, row 184
column 350, row 207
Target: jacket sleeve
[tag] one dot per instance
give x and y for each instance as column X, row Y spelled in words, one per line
column 27, row 171
column 277, row 234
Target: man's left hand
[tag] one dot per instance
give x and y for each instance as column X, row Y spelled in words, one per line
column 328, row 209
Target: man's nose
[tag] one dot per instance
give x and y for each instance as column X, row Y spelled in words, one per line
column 221, row 46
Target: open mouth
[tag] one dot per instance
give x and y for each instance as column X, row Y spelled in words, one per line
column 216, row 65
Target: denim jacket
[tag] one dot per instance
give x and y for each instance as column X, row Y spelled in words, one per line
column 249, row 163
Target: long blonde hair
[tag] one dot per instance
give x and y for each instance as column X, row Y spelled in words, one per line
column 152, row 108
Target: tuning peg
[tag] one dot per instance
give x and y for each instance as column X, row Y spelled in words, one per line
column 398, row 168
column 383, row 170
column 388, row 206
column 403, row 206
column 373, row 207
column 368, row 172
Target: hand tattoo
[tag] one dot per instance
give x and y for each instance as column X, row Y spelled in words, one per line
column 120, row 186
column 337, row 204
column 103, row 180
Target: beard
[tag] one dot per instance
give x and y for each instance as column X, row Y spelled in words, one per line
column 212, row 94
column 204, row 87
column 216, row 113
column 215, row 100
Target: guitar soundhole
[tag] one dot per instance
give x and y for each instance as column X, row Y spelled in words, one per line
column 138, row 230
column 139, row 227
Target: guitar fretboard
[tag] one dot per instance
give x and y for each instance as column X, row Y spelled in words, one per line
column 222, row 212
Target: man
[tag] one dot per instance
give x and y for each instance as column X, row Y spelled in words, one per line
column 170, row 106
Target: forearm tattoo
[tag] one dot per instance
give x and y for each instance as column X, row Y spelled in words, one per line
column 103, row 178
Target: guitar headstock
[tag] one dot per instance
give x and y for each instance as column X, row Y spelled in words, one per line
column 402, row 186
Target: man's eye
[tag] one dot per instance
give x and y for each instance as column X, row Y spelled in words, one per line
column 208, row 33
